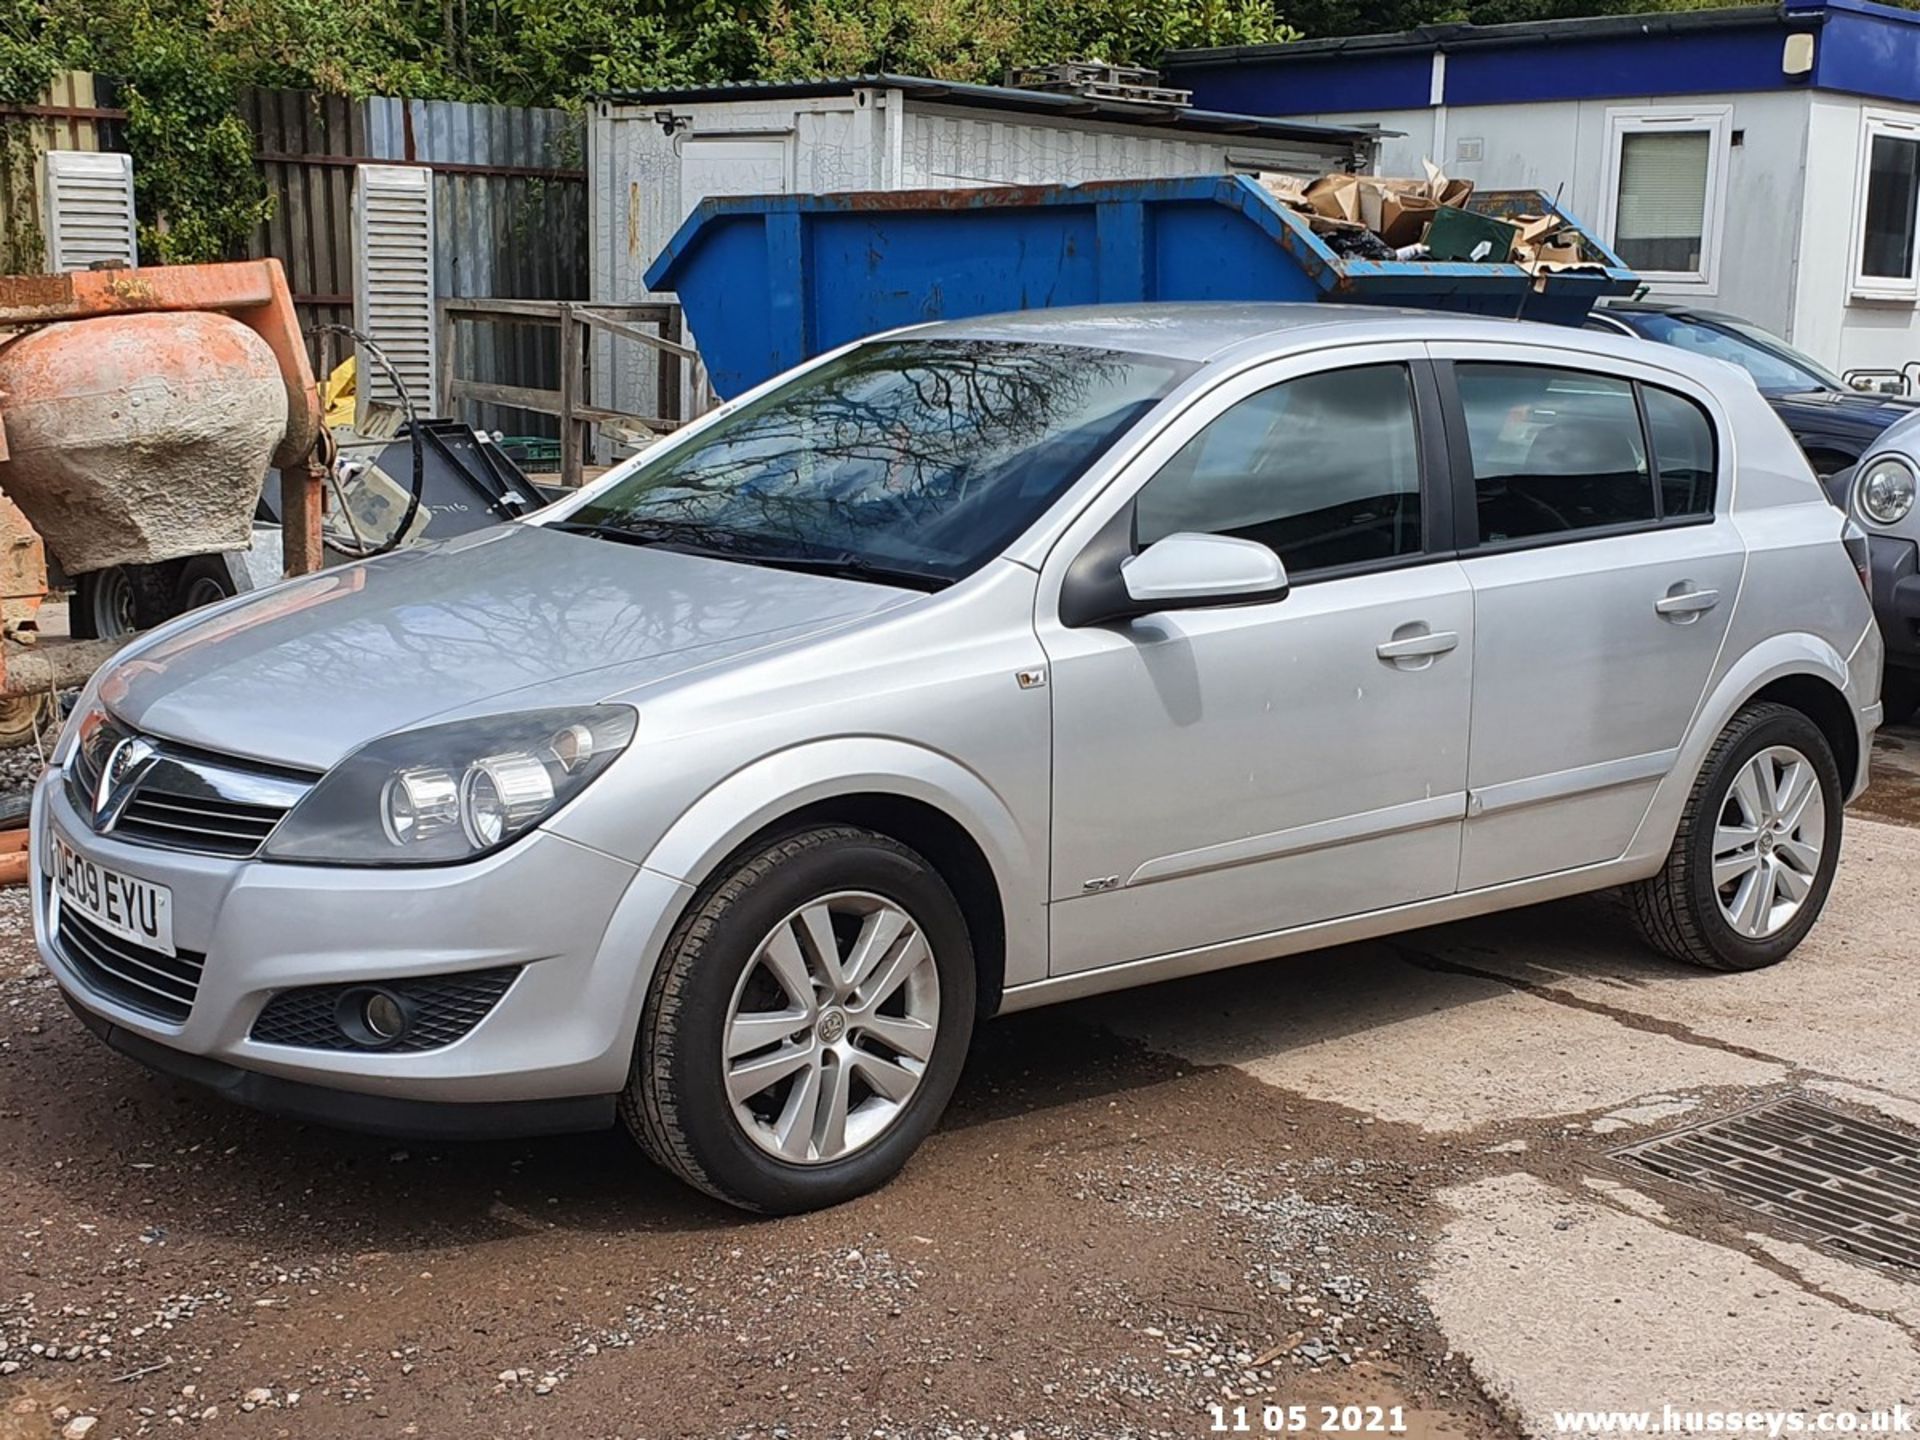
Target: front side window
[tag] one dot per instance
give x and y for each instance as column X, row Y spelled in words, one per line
column 1888, row 209
column 1553, row 451
column 1323, row 470
column 913, row 462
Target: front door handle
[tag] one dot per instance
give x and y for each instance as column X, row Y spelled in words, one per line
column 1414, row 652
column 1682, row 606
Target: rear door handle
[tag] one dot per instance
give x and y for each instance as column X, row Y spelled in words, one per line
column 1413, row 647
column 1686, row 603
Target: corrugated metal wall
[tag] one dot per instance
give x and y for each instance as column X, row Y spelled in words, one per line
column 645, row 181
column 509, row 217
column 306, row 147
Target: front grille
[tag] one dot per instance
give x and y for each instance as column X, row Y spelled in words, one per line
column 215, row 827
column 179, row 798
column 162, row 986
column 444, row 1008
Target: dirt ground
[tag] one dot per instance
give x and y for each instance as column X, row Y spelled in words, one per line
column 1375, row 1176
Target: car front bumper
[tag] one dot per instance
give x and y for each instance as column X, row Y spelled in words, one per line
column 1896, row 598
column 581, row 928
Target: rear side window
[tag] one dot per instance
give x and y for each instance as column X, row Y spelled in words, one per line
column 1556, row 452
column 1323, row 470
column 1683, row 452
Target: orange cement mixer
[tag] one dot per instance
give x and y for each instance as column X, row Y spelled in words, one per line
column 139, row 412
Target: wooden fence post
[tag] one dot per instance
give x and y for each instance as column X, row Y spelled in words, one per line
column 570, row 437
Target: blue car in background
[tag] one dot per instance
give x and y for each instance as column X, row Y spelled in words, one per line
column 1833, row 422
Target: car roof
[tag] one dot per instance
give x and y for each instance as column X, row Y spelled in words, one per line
column 1667, row 307
column 1209, row 330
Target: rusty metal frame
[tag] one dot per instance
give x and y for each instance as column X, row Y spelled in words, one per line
column 255, row 293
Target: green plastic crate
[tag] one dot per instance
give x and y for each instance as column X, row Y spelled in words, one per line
column 1456, row 234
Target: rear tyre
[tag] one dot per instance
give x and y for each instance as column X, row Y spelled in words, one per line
column 807, row 1023
column 204, row 580
column 113, row 603
column 1900, row 694
column 1754, row 857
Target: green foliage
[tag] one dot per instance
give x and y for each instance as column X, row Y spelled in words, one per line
column 29, row 59
column 179, row 63
column 194, row 183
column 978, row 40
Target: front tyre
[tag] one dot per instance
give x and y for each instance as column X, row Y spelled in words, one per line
column 806, row 1025
column 1754, row 857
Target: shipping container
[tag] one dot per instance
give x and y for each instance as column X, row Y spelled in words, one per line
column 654, row 156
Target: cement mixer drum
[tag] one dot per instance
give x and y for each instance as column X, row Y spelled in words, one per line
column 136, row 438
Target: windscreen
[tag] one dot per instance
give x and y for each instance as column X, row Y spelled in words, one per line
column 915, row 461
column 1773, row 363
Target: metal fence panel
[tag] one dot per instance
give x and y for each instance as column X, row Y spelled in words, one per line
column 75, row 114
column 306, row 146
column 510, row 211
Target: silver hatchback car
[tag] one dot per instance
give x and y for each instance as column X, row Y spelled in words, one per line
column 967, row 669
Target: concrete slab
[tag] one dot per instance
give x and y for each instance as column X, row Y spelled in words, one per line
column 1823, row 1012
column 1448, row 1052
column 1564, row 1303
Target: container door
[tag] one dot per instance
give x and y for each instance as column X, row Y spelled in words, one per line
column 1225, row 773
column 731, row 165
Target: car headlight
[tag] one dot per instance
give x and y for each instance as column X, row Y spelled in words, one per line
column 451, row 792
column 1884, row 492
column 86, row 714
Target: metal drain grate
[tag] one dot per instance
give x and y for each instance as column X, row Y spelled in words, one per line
column 1850, row 1184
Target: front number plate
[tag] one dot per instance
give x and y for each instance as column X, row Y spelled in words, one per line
column 133, row 909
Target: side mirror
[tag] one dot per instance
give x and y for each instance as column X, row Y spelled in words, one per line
column 1185, row 571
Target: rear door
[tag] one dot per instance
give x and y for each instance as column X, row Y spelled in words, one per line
column 1591, row 504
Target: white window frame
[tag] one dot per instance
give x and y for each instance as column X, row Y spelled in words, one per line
column 1904, row 125
column 1717, row 122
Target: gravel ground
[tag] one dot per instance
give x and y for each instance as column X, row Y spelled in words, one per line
column 1103, row 1239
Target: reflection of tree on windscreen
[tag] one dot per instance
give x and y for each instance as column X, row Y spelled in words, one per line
column 927, row 454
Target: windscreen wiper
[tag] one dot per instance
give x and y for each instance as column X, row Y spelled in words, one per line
column 705, row 539
column 686, row 537
column 847, row 566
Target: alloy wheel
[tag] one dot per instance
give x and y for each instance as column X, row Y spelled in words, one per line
column 831, row 1027
column 1768, row 840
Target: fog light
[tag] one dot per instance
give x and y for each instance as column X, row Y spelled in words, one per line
column 373, row 1019
column 385, row 1019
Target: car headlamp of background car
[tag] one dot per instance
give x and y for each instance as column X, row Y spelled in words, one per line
column 452, row 792
column 1884, row 492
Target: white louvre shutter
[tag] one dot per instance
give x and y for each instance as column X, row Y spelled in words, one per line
column 89, row 210
column 393, row 299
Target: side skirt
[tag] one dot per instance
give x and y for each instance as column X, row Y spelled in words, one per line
column 1279, row 943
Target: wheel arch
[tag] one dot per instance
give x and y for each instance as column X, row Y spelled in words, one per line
column 923, row 799
column 1798, row 670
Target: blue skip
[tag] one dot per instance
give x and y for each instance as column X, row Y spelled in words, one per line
column 770, row 280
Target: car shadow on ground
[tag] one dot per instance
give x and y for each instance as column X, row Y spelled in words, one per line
column 216, row 1163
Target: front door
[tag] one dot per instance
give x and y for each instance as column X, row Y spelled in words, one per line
column 1224, row 773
